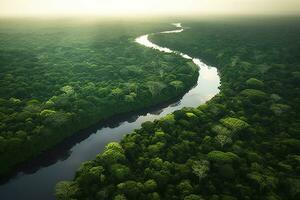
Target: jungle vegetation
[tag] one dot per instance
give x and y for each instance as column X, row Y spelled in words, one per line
column 57, row 78
column 243, row 144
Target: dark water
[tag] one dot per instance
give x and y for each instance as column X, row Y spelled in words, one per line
column 37, row 179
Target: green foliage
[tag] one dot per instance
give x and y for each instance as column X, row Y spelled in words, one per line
column 221, row 130
column 114, row 146
column 67, row 89
column 178, row 85
column 97, row 171
column 191, row 115
column 120, row 197
column 234, row 124
column 120, row 172
column 263, row 181
column 200, row 168
column 254, row 83
column 65, row 190
column 253, row 94
column 223, row 139
column 219, row 156
column 185, row 187
column 150, row 185
column 130, row 188
column 113, row 153
column 279, row 109
column 155, row 148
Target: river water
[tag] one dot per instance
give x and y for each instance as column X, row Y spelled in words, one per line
column 37, row 180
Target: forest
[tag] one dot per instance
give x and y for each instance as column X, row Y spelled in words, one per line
column 57, row 78
column 243, row 144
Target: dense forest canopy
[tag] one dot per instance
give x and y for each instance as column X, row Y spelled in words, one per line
column 243, row 144
column 59, row 77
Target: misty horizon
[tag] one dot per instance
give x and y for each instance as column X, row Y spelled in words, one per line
column 132, row 8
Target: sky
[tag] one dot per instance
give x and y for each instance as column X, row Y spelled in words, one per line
column 146, row 7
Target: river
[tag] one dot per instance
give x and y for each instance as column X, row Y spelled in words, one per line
column 37, row 179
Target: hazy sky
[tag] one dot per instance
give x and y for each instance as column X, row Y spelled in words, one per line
column 146, row 7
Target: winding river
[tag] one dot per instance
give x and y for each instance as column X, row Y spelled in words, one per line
column 37, row 179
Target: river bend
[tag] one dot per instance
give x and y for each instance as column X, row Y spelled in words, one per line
column 39, row 182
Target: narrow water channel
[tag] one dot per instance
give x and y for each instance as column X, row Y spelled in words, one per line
column 38, row 183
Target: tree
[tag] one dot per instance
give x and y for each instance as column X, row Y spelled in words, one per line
column 150, row 185
column 234, row 124
column 220, row 156
column 120, row 172
column 200, row 168
column 223, row 139
column 254, row 95
column 155, row 87
column 130, row 98
column 280, row 109
column 155, row 148
column 98, row 172
column 120, row 197
column 263, row 181
column 112, row 154
column 178, row 85
column 114, row 146
column 254, row 83
column 153, row 196
column 56, row 119
column 221, row 130
column 116, row 92
column 65, row 190
column 131, row 189
column 185, row 187
column 67, row 90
